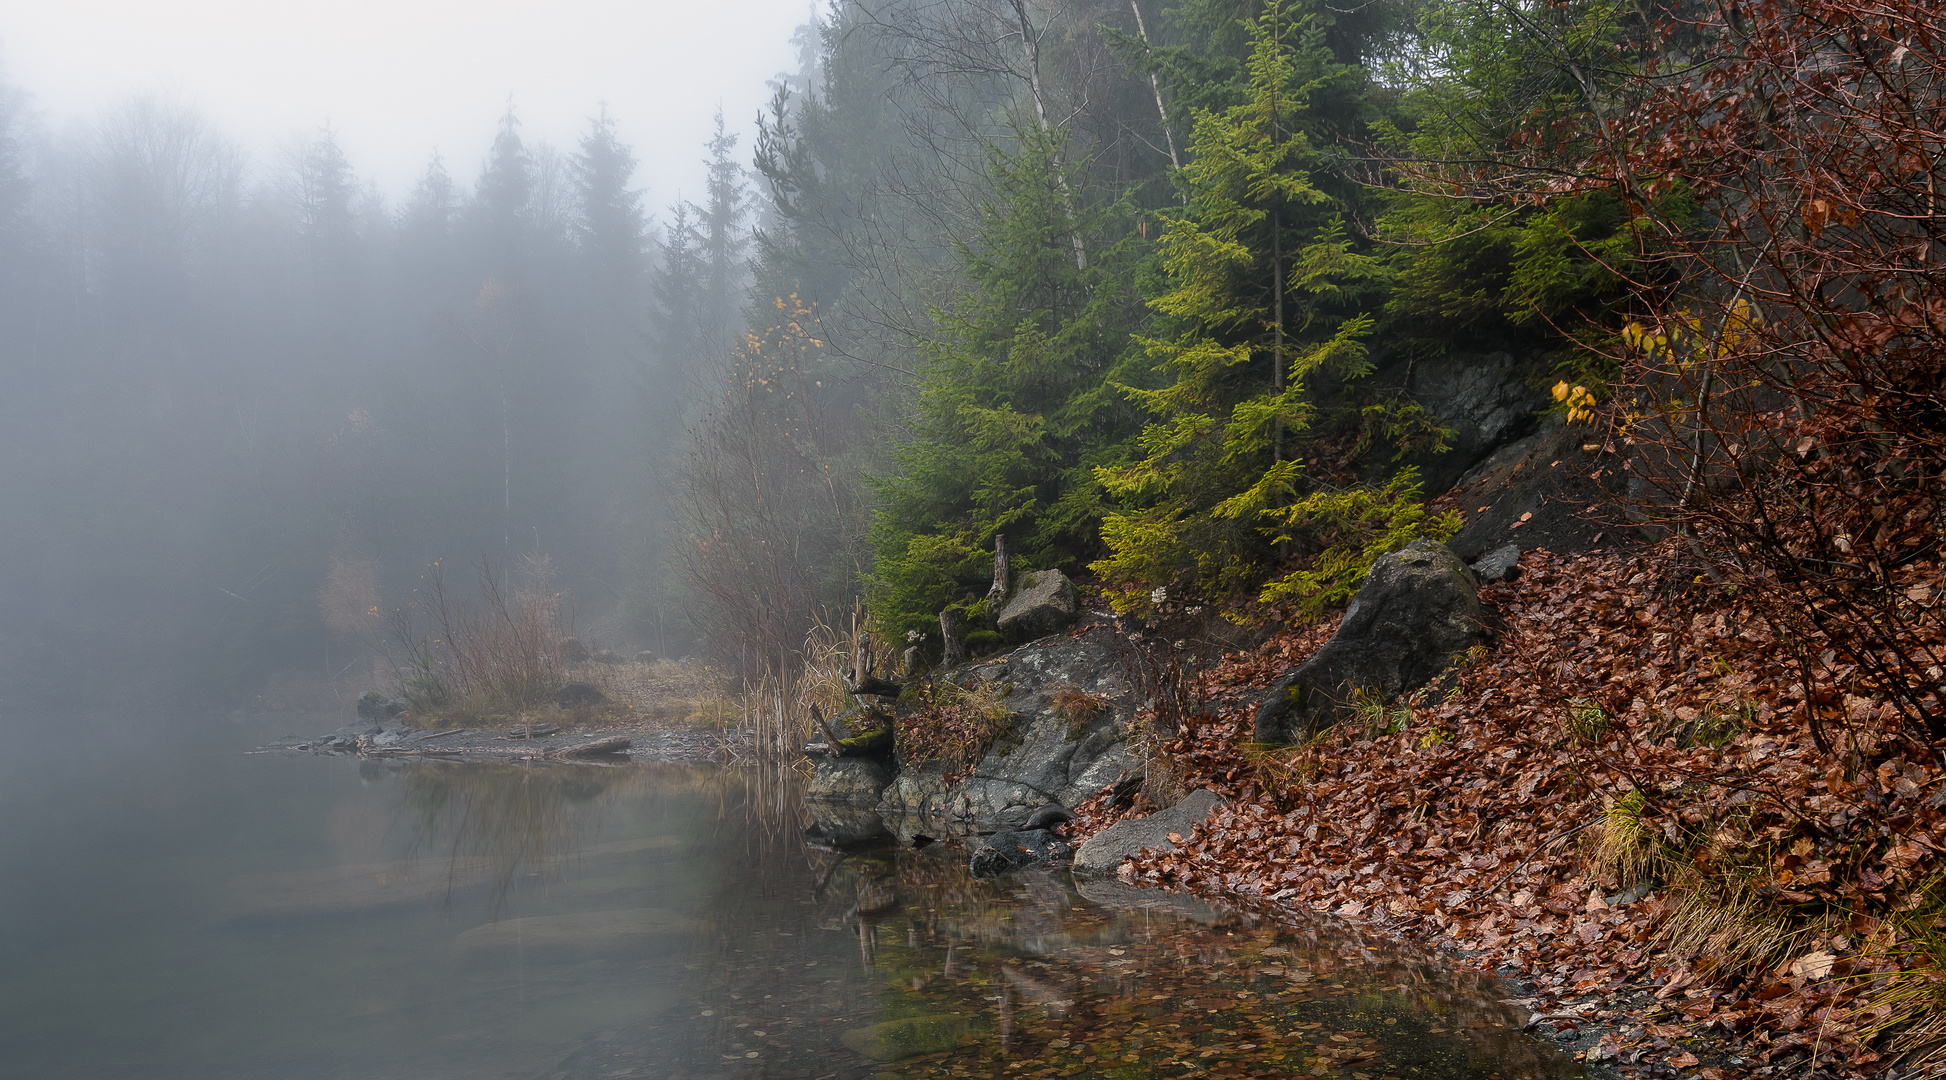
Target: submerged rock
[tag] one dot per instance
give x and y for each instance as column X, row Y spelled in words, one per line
column 583, row 930
column 1107, row 848
column 894, row 1040
column 1417, row 611
column 1014, row 849
column 840, row 826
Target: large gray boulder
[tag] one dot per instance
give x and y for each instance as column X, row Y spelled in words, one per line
column 1044, row 604
column 1418, row 609
column 1107, row 848
column 859, row 781
column 1053, row 751
column 373, row 705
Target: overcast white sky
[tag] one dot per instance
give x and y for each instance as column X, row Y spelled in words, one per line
column 400, row 78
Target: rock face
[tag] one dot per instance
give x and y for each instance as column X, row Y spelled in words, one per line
column 1046, row 757
column 1107, row 848
column 1486, row 400
column 1500, row 564
column 1418, row 609
column 1044, row 604
column 1012, row 850
column 858, row 781
column 578, row 693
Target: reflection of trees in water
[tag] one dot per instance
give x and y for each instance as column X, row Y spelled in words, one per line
column 512, row 819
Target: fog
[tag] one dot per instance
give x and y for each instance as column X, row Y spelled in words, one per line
column 266, row 362
column 627, row 303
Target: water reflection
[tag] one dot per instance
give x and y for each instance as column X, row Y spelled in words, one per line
column 306, row 917
column 502, row 821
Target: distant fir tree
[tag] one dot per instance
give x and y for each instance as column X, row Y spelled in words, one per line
column 504, row 197
column 608, row 229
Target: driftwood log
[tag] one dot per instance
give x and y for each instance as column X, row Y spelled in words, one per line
column 613, row 744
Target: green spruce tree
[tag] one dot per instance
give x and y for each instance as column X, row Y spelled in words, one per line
column 1263, row 322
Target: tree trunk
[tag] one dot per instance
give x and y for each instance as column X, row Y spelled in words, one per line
column 1168, row 135
column 952, row 623
column 1002, row 579
column 1033, row 46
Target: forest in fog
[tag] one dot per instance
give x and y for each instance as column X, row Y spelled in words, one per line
column 1122, row 284
column 940, row 296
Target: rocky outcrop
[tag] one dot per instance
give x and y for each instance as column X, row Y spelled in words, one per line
column 1012, row 849
column 1044, row 604
column 1537, row 493
column 1486, row 400
column 1068, row 700
column 858, row 781
column 1418, row 609
column 1107, row 848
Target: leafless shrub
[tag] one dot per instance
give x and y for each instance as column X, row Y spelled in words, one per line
column 498, row 656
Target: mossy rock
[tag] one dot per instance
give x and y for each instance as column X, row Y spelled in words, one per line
column 895, row 1040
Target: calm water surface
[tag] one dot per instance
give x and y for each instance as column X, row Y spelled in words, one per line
column 171, row 907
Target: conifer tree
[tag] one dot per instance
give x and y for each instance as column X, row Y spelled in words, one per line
column 608, row 227
column 1263, row 320
column 1016, row 406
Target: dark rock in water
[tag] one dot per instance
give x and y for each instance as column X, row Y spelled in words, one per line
column 578, row 693
column 1115, row 896
column 1417, row 611
column 856, row 780
column 1044, row 604
column 1048, row 817
column 373, row 705
column 1106, row 849
column 1012, row 850
column 910, row 1037
column 834, row 826
column 1500, row 564
column 920, row 840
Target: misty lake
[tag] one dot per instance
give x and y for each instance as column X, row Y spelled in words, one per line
column 173, row 907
